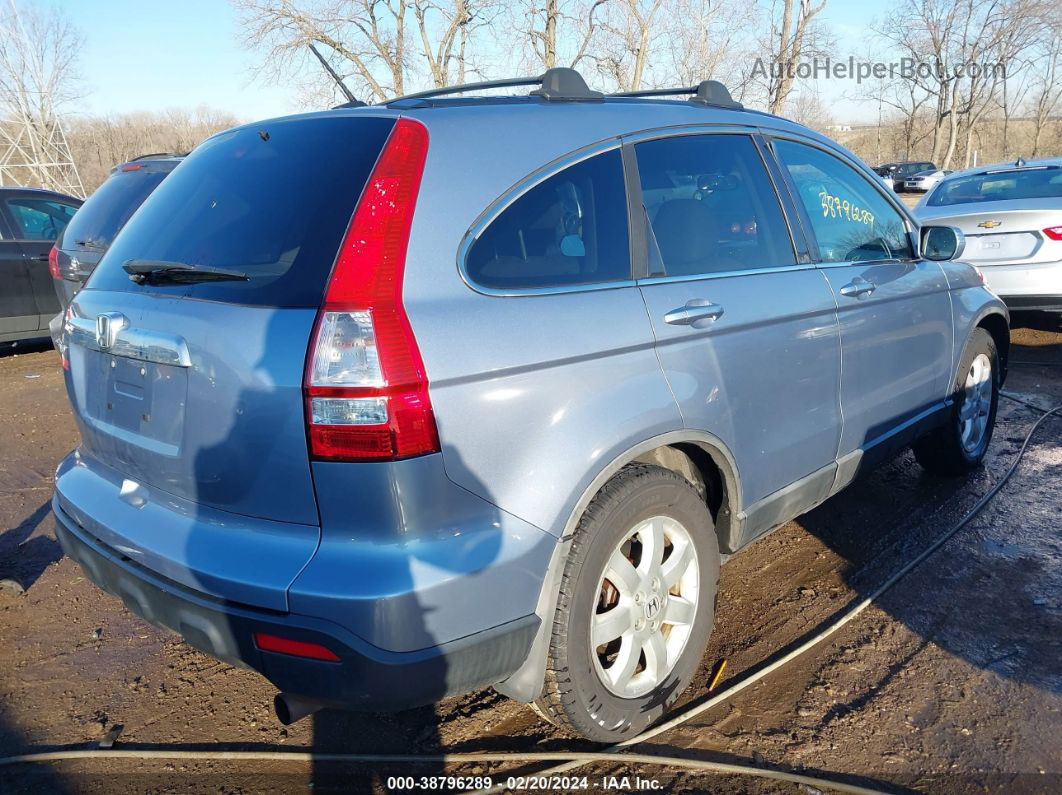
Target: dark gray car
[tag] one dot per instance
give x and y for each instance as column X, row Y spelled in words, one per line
column 30, row 221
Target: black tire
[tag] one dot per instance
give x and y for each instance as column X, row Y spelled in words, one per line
column 574, row 697
column 942, row 451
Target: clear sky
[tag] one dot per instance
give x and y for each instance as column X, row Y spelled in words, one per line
column 156, row 54
column 152, row 55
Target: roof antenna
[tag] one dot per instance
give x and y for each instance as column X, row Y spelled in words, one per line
column 351, row 102
column 1021, row 162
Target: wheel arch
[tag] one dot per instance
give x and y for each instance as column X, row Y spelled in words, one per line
column 702, row 459
column 998, row 327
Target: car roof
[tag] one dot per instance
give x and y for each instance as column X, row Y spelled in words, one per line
column 1012, row 165
column 42, row 191
column 158, row 161
column 521, row 133
column 556, row 124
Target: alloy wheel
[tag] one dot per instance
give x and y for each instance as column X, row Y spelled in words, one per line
column 647, row 602
column 976, row 403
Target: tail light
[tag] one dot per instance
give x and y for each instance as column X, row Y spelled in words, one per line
column 53, row 263
column 365, row 384
column 1054, row 232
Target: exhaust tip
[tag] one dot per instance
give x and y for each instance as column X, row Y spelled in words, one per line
column 290, row 708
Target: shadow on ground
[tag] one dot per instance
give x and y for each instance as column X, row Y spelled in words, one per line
column 24, row 559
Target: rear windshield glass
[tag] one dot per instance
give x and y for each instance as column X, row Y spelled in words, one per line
column 1043, row 183
column 107, row 210
column 271, row 201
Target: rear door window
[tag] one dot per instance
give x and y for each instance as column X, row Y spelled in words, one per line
column 568, row 230
column 272, row 200
column 39, row 219
column 711, row 206
column 851, row 220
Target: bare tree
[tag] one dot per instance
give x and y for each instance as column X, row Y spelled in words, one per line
column 379, row 45
column 364, row 39
column 628, row 33
column 792, row 32
column 38, row 80
column 1001, row 41
column 558, row 32
column 710, row 39
column 923, row 31
column 903, row 103
column 962, row 49
column 1047, row 85
column 808, row 109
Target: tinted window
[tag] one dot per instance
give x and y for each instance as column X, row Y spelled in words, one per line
column 1045, row 183
column 107, row 210
column 711, row 206
column 39, row 219
column 272, row 201
column 851, row 220
column 568, row 230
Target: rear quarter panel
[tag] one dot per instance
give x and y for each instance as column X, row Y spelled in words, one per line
column 536, row 394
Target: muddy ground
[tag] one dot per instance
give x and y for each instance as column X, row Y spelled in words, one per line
column 952, row 682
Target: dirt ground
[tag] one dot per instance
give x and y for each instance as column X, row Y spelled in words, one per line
column 952, row 682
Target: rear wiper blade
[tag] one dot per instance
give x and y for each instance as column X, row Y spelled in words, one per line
column 154, row 271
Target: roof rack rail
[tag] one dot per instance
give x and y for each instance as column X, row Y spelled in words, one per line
column 560, row 84
column 707, row 92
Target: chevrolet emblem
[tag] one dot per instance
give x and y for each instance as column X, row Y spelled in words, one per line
column 989, row 224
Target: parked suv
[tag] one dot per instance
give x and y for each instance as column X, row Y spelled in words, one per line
column 397, row 402
column 104, row 213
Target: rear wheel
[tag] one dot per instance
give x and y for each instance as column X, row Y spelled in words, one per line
column 636, row 606
column 960, row 444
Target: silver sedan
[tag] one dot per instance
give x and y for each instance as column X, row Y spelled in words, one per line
column 1011, row 215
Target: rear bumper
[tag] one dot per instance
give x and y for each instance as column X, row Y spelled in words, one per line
column 1039, row 303
column 364, row 678
column 1026, row 286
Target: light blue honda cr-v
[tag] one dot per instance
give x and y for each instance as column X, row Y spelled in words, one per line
column 394, row 402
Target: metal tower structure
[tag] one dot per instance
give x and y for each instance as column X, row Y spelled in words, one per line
column 36, row 154
column 34, row 150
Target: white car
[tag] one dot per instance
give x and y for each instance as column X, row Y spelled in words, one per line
column 1011, row 215
column 924, row 180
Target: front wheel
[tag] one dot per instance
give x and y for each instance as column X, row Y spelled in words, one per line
column 636, row 606
column 960, row 444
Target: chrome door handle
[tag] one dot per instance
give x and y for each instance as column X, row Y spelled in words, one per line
column 858, row 287
column 695, row 311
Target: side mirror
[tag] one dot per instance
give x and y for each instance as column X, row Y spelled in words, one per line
column 942, row 243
